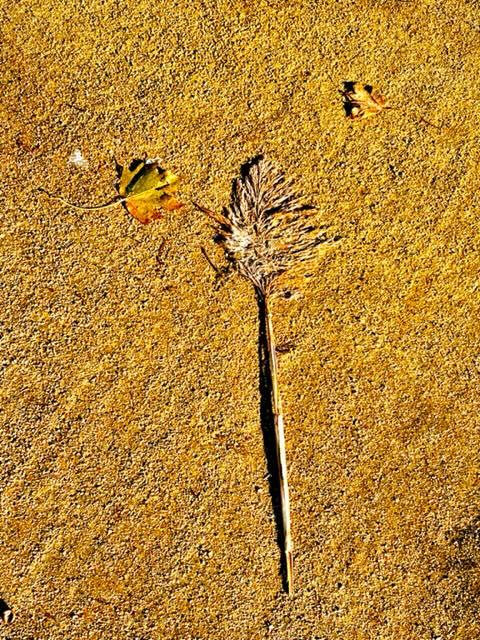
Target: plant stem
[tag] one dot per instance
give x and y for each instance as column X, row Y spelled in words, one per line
column 279, row 446
column 96, row 207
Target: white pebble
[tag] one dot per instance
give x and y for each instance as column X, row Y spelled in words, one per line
column 76, row 158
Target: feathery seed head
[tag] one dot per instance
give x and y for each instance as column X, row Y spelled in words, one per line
column 265, row 230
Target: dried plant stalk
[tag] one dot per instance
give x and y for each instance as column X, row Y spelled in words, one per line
column 266, row 231
column 280, row 450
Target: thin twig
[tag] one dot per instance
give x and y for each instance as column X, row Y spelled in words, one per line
column 210, row 261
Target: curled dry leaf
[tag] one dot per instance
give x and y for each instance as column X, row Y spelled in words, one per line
column 362, row 100
column 147, row 189
column 7, row 616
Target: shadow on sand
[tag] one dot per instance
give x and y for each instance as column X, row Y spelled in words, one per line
column 268, row 430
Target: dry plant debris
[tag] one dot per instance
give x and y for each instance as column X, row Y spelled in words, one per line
column 362, row 101
column 266, row 231
column 6, row 614
column 145, row 189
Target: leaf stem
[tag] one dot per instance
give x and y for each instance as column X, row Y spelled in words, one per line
column 106, row 205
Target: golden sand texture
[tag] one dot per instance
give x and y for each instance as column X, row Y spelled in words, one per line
column 134, row 503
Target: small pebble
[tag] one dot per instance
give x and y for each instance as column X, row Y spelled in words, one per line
column 76, row 158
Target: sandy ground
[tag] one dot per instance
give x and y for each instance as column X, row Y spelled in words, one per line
column 134, row 502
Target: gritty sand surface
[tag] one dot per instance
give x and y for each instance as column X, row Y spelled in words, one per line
column 134, row 502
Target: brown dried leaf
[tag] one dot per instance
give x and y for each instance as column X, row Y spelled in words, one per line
column 7, row 616
column 362, row 100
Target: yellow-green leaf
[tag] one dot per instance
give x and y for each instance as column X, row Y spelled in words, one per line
column 148, row 190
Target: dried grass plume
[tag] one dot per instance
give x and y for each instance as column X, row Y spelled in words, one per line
column 267, row 228
column 267, row 231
